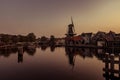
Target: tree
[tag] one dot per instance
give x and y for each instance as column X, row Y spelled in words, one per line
column 15, row 39
column 43, row 38
column 22, row 38
column 31, row 37
column 52, row 40
column 5, row 38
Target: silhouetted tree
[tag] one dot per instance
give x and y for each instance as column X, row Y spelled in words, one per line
column 31, row 51
column 5, row 38
column 22, row 38
column 43, row 38
column 15, row 39
column 31, row 37
column 52, row 40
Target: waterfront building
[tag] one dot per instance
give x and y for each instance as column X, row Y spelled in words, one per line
column 87, row 37
column 71, row 39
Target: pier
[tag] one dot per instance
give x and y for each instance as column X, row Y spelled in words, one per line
column 112, row 67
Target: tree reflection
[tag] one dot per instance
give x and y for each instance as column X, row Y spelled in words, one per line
column 20, row 58
column 52, row 48
column 20, row 54
column 43, row 48
column 19, row 50
column 31, row 51
column 7, row 52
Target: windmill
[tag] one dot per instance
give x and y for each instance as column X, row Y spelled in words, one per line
column 71, row 29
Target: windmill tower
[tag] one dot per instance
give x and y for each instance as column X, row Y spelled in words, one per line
column 71, row 29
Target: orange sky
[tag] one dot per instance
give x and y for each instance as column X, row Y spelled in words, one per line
column 51, row 17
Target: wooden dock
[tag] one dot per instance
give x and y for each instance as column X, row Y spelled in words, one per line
column 110, row 69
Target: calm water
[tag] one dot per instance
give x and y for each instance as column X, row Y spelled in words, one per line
column 52, row 64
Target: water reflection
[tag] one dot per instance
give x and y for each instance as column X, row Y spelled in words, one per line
column 110, row 62
column 6, row 53
column 43, row 48
column 82, row 52
column 30, row 51
column 52, row 48
column 20, row 54
column 20, row 51
column 20, row 58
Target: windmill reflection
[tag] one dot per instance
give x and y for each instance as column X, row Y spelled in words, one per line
column 72, row 52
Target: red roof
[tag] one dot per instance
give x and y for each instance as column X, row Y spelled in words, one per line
column 76, row 38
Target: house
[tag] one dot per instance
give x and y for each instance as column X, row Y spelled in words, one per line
column 99, row 38
column 113, row 39
column 86, row 37
column 110, row 39
column 73, row 41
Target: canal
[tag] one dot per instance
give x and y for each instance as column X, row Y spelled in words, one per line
column 53, row 64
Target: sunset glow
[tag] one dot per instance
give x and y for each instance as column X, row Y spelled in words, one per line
column 51, row 17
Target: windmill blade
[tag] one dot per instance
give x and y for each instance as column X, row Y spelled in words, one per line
column 72, row 24
column 72, row 21
column 73, row 28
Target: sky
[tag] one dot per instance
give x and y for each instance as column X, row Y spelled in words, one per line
column 51, row 17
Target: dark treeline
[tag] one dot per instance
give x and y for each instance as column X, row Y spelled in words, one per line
column 7, row 38
column 48, row 41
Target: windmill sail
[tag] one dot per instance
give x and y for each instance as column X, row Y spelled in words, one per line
column 72, row 24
